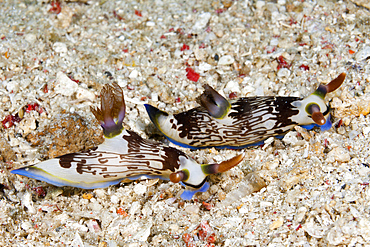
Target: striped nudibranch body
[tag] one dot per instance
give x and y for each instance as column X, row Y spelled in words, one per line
column 124, row 156
column 245, row 121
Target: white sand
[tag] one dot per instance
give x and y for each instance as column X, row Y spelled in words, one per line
column 317, row 190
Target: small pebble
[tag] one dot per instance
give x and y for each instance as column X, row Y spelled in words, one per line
column 150, row 24
column 226, row 60
column 60, row 48
column 100, row 193
column 300, row 215
column 83, row 93
column 284, row 72
column 154, row 97
column 30, row 37
column 233, row 86
column 26, row 225
column 204, row 66
column 93, row 226
column 200, row 54
column 277, row 223
column 12, row 86
column 211, row 36
column 27, row 125
column 338, row 154
column 140, row 189
column 28, row 203
column 135, row 208
column 134, row 74
column 363, row 54
column 143, row 233
column 202, row 21
column 192, row 209
column 366, row 130
column 64, row 85
column 114, row 199
column 260, row 4
column 77, row 241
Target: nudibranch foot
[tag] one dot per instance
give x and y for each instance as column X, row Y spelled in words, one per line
column 189, row 193
column 47, row 171
column 211, row 169
column 243, row 122
column 326, row 126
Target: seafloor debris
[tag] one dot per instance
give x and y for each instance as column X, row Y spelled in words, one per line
column 67, row 132
column 321, row 203
column 252, row 183
column 6, row 152
column 348, row 106
column 363, row 3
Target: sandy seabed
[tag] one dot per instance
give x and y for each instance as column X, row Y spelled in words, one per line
column 55, row 58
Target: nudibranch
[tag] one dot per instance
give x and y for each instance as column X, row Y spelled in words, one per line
column 243, row 122
column 124, row 156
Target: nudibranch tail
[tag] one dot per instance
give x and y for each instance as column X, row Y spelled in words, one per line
column 322, row 90
column 112, row 110
column 49, row 171
column 215, row 103
column 154, row 113
column 223, row 166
